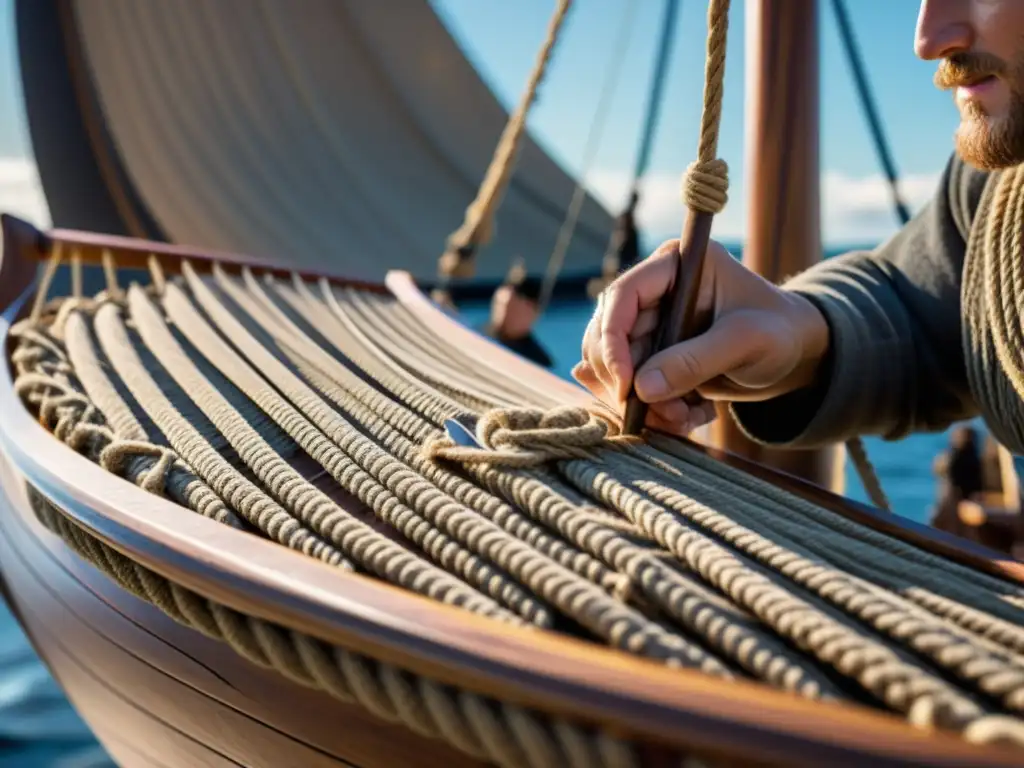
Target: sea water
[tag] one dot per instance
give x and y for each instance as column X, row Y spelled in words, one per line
column 39, row 729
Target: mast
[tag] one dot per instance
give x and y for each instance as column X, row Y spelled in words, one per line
column 782, row 166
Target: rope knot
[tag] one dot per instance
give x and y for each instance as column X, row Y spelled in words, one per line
column 115, row 457
column 526, row 437
column 706, row 185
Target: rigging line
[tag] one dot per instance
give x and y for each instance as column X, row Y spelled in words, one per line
column 654, row 100
column 855, row 446
column 596, row 131
column 849, row 41
column 478, row 222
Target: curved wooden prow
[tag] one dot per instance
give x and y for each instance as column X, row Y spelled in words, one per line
column 29, row 246
column 19, row 261
column 670, row 711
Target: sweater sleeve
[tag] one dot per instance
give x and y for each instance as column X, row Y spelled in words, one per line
column 895, row 363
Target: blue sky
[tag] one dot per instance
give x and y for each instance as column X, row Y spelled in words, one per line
column 501, row 39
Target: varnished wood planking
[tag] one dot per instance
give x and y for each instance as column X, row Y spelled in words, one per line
column 99, row 705
column 188, row 676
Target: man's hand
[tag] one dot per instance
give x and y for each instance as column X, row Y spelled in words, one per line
column 760, row 341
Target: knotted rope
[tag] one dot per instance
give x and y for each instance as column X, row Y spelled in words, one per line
column 706, row 181
column 478, row 224
column 706, row 185
column 526, row 437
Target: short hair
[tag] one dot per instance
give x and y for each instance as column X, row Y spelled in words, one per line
column 525, row 287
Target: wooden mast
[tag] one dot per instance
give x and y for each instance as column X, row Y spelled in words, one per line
column 782, row 181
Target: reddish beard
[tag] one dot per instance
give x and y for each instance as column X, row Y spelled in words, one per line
column 981, row 140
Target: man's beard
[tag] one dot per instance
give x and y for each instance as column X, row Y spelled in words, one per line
column 981, row 141
column 991, row 145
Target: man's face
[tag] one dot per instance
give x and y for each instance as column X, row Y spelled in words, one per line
column 980, row 47
column 512, row 315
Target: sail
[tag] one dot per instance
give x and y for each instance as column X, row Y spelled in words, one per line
column 330, row 134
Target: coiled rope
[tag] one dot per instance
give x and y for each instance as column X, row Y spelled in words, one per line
column 776, row 606
column 993, row 301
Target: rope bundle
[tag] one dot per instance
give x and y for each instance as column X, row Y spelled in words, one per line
column 993, row 302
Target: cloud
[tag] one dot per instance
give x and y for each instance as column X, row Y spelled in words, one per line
column 860, row 209
column 855, row 209
column 21, row 193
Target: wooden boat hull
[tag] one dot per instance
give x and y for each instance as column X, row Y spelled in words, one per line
column 157, row 693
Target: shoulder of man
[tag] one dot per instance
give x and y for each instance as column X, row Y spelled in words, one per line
column 964, row 185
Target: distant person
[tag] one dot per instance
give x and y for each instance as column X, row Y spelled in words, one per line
column 961, row 478
column 625, row 238
column 871, row 342
column 514, row 310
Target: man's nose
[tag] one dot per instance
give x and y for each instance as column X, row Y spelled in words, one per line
column 943, row 29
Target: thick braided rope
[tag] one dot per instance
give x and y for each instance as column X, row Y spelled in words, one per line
column 930, row 586
column 606, row 617
column 632, row 480
column 401, row 431
column 75, row 420
column 425, row 366
column 242, row 495
column 800, row 509
column 356, row 539
column 706, row 181
column 686, row 601
column 551, row 456
column 895, row 678
column 990, row 668
column 993, row 306
column 414, row 335
column 525, row 437
column 482, row 728
column 404, row 430
column 403, row 500
column 421, row 355
column 478, row 225
column 897, row 683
